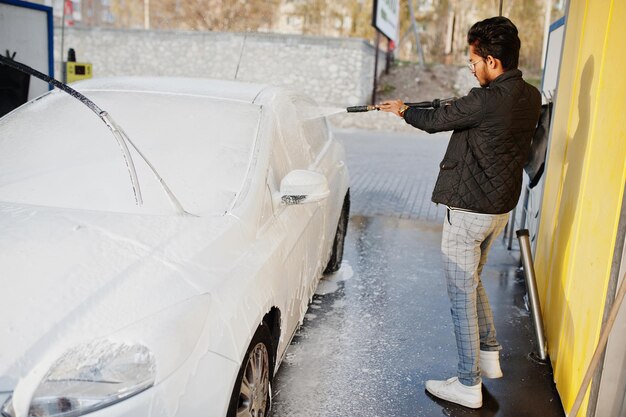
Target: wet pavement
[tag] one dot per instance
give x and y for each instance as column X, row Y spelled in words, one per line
column 381, row 326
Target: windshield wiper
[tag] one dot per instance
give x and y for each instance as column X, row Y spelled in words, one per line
column 117, row 132
column 120, row 136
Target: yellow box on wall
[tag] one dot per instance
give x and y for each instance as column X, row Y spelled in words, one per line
column 76, row 71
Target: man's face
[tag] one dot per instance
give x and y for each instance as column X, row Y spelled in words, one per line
column 479, row 65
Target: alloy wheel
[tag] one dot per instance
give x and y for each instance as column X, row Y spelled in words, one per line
column 253, row 394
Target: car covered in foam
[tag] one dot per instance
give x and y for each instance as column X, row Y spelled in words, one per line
column 162, row 272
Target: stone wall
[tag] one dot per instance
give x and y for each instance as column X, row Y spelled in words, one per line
column 335, row 71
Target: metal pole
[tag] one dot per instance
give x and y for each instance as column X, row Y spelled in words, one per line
column 546, row 32
column 506, row 230
column 512, row 224
column 604, row 337
column 376, row 67
column 531, row 287
column 63, row 69
column 418, row 42
column 525, row 208
column 388, row 56
column 501, row 7
column 146, row 14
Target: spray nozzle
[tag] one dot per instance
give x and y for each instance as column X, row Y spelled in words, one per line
column 358, row 109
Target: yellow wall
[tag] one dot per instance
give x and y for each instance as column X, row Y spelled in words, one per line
column 584, row 187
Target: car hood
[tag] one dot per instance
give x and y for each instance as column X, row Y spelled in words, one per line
column 71, row 276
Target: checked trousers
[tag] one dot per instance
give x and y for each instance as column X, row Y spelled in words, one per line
column 465, row 244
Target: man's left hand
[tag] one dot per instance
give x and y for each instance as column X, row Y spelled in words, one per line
column 396, row 107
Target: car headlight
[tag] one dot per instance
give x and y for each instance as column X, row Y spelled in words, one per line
column 89, row 377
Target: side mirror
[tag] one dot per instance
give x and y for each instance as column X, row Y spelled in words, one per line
column 301, row 186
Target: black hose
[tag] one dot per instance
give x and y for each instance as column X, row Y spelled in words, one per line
column 118, row 133
column 64, row 87
column 435, row 104
column 423, row 104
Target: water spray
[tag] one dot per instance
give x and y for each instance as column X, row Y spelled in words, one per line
column 435, row 104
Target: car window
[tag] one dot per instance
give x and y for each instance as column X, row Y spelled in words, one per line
column 267, row 211
column 279, row 162
column 313, row 125
column 298, row 150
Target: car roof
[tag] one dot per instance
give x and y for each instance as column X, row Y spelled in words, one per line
column 219, row 89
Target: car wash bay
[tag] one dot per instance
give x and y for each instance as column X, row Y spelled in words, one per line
column 381, row 326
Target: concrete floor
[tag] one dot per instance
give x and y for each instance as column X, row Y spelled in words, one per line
column 381, row 326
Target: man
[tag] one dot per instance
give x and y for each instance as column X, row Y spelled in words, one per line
column 480, row 181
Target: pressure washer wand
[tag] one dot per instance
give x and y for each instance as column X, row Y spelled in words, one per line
column 119, row 135
column 359, row 109
column 435, row 104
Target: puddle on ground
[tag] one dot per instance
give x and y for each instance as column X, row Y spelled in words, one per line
column 330, row 283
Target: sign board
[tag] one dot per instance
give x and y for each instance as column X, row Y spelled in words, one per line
column 553, row 57
column 76, row 71
column 386, row 18
column 26, row 30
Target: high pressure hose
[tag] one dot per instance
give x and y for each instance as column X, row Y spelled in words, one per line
column 120, row 136
column 117, row 132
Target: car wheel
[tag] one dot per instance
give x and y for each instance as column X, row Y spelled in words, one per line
column 252, row 392
column 336, row 256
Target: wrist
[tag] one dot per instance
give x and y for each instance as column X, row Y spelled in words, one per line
column 402, row 110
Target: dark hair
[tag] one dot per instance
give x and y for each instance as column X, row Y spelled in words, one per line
column 496, row 36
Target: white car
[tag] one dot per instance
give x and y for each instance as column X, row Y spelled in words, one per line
column 164, row 271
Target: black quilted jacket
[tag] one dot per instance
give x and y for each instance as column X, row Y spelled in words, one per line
column 493, row 127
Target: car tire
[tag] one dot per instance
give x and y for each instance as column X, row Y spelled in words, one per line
column 252, row 393
column 336, row 256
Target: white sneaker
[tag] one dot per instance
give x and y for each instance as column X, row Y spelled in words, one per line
column 454, row 391
column 490, row 364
